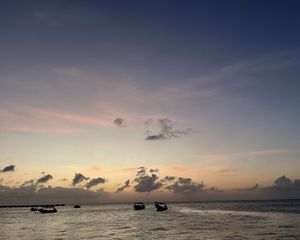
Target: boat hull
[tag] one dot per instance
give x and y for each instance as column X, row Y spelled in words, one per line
column 47, row 211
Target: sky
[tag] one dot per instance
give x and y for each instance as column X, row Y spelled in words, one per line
column 107, row 101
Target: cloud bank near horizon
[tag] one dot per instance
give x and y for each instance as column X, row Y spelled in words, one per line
column 147, row 183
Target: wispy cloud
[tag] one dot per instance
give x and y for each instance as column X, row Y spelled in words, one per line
column 24, row 120
column 162, row 129
column 228, row 170
column 272, row 151
column 95, row 181
column 77, row 118
column 126, row 185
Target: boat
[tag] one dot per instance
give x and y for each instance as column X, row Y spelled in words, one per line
column 139, row 206
column 77, row 206
column 43, row 210
column 160, row 206
column 33, row 209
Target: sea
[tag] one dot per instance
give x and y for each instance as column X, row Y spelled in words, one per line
column 198, row 220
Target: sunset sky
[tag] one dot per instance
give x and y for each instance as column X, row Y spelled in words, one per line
column 206, row 92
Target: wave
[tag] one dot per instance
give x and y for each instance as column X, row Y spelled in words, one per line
column 188, row 210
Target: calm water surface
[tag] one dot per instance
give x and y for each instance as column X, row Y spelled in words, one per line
column 223, row 220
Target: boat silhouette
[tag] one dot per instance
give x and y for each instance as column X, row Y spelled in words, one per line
column 139, row 206
column 160, row 206
column 43, row 210
column 77, row 206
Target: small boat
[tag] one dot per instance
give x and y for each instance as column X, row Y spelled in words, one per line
column 77, row 206
column 33, row 209
column 160, row 206
column 139, row 206
column 43, row 210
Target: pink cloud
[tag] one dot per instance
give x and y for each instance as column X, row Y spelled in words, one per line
column 228, row 170
column 82, row 119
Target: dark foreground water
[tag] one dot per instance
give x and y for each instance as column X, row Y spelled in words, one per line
column 223, row 220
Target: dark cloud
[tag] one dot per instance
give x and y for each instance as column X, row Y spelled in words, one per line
column 283, row 185
column 158, row 136
column 283, row 182
column 44, row 179
column 27, row 183
column 95, row 181
column 168, row 179
column 78, row 178
column 9, row 168
column 162, row 129
column 120, row 122
column 141, row 171
column 147, row 183
column 126, row 185
column 185, row 185
column 154, row 170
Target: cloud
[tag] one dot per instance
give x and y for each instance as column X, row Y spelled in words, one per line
column 150, row 182
column 71, row 117
column 27, row 183
column 283, row 187
column 126, row 185
column 120, row 122
column 78, row 178
column 145, row 182
column 95, row 181
column 162, row 129
column 141, row 171
column 167, row 179
column 185, row 185
column 9, row 168
column 284, row 184
column 44, row 179
column 228, row 170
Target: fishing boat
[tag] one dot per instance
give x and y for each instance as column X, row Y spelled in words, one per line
column 77, row 206
column 43, row 210
column 160, row 206
column 33, row 209
column 139, row 206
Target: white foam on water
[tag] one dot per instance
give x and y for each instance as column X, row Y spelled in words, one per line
column 188, row 210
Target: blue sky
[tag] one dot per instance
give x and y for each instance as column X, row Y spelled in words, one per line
column 223, row 75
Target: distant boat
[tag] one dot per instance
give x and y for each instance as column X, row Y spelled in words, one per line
column 139, row 206
column 33, row 209
column 43, row 210
column 77, row 206
column 160, row 206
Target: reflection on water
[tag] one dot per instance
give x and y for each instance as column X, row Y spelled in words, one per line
column 230, row 220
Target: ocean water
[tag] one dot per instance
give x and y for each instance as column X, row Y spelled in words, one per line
column 211, row 220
